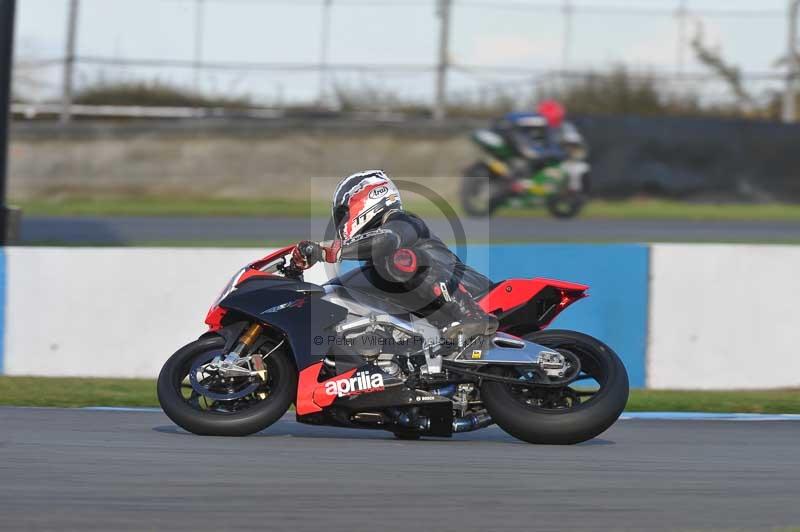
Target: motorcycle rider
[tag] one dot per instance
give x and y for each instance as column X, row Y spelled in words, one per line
column 535, row 137
column 402, row 256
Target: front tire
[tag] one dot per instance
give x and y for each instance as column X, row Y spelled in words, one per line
column 209, row 422
column 566, row 204
column 568, row 424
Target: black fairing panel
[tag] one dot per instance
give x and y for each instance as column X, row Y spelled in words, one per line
column 370, row 300
column 367, row 286
column 304, row 319
column 412, row 295
column 276, row 282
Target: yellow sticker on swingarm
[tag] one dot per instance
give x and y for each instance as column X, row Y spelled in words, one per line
column 476, row 354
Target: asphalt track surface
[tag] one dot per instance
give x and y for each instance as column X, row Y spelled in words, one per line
column 94, row 470
column 125, row 230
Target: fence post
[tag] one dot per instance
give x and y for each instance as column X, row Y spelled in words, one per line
column 790, row 94
column 69, row 62
column 440, row 105
column 324, row 48
column 7, row 9
column 566, row 45
column 682, row 15
column 199, row 37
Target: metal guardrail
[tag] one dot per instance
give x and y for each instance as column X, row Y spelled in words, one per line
column 32, row 111
column 38, row 110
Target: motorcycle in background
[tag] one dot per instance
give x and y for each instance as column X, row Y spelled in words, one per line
column 502, row 178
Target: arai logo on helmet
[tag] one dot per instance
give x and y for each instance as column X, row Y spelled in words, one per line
column 377, row 192
column 362, row 383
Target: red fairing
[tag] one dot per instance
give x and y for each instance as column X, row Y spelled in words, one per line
column 311, row 395
column 249, row 274
column 216, row 313
column 513, row 293
column 214, row 318
column 271, row 257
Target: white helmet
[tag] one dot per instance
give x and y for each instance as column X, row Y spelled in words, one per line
column 361, row 200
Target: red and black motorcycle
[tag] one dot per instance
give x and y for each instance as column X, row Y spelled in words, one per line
column 349, row 357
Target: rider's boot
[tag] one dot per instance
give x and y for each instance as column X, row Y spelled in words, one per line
column 460, row 314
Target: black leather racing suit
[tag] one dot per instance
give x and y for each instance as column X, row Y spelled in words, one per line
column 441, row 287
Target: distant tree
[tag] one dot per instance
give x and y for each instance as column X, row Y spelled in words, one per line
column 712, row 58
column 153, row 94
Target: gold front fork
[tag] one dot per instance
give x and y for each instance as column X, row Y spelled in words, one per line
column 251, row 334
column 257, row 363
column 247, row 339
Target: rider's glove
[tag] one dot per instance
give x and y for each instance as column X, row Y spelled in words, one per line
column 308, row 253
column 331, row 250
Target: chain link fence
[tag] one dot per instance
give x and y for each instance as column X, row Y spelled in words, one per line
column 390, row 56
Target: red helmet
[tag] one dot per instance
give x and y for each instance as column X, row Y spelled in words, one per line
column 553, row 112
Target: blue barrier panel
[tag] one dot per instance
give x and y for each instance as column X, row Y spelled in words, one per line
column 617, row 275
column 2, row 308
column 615, row 312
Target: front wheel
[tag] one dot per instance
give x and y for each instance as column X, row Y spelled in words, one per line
column 197, row 398
column 585, row 406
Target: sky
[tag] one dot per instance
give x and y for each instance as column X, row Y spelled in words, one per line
column 525, row 34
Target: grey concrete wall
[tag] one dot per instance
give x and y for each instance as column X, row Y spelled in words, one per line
column 226, row 160
column 678, row 157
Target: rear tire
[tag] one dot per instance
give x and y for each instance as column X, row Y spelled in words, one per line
column 569, row 425
column 210, row 423
column 480, row 191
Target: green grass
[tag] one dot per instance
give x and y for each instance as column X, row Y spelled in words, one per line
column 172, row 207
column 199, row 207
column 653, row 209
column 638, row 209
column 761, row 401
column 76, row 392
column 69, row 391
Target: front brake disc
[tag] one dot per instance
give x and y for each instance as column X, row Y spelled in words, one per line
column 205, row 391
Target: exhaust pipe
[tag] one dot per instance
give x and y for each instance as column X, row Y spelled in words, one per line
column 468, row 423
column 472, row 422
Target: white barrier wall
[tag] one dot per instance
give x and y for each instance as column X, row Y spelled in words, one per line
column 111, row 312
column 720, row 316
column 724, row 317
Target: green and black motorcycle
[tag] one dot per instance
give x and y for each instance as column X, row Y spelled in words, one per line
column 502, row 177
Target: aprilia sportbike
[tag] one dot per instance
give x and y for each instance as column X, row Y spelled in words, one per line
column 349, row 357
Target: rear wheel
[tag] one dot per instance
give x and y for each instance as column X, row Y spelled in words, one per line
column 202, row 402
column 481, row 193
column 588, row 403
